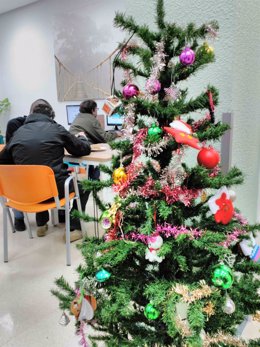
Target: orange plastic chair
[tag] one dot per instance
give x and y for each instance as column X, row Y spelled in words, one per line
column 27, row 187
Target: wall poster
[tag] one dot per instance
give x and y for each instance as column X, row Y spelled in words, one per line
column 85, row 42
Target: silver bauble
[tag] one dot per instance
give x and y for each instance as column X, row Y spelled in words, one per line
column 232, row 195
column 229, row 306
column 64, row 319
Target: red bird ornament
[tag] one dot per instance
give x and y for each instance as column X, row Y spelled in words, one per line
column 182, row 133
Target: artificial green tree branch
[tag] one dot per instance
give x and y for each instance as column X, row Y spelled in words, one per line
column 128, row 23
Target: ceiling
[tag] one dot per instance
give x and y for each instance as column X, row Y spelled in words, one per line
column 8, row 5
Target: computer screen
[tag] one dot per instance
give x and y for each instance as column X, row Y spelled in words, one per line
column 115, row 120
column 72, row 112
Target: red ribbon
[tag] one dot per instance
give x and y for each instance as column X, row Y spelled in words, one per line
column 153, row 249
column 211, row 102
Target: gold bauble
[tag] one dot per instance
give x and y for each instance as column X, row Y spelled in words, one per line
column 208, row 49
column 119, row 175
column 203, row 196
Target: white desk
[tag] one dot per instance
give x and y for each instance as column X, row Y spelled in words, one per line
column 95, row 158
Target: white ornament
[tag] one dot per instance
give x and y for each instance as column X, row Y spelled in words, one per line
column 181, row 126
column 86, row 312
column 232, row 195
column 229, row 306
column 154, row 244
column 247, row 245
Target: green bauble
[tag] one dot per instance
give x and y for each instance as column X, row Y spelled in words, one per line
column 154, row 133
column 150, row 312
column 102, row 275
column 222, row 276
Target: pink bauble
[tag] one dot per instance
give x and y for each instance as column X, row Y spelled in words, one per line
column 153, row 86
column 187, row 56
column 130, row 90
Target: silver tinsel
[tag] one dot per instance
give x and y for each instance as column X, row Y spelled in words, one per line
column 158, row 60
column 155, row 148
column 229, row 259
column 174, row 174
column 129, row 120
column 212, row 30
column 147, row 120
column 159, row 57
column 172, row 93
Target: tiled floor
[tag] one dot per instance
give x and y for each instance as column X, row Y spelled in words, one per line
column 29, row 314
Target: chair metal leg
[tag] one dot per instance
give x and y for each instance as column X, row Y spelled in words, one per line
column 83, row 228
column 28, row 225
column 67, row 223
column 96, row 224
column 10, row 220
column 5, row 235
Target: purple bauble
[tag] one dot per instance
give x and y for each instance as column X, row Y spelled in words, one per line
column 187, row 56
column 130, row 90
column 153, row 86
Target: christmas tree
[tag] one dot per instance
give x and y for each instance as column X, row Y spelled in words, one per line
column 178, row 262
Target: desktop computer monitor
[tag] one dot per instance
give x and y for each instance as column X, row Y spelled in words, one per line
column 115, row 120
column 72, row 112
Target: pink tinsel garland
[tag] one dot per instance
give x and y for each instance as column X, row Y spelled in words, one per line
column 242, row 220
column 148, row 190
column 137, row 145
column 82, row 341
column 232, row 237
column 215, row 171
column 200, row 122
column 182, row 194
column 167, row 231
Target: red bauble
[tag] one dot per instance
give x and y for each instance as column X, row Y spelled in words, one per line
column 208, row 157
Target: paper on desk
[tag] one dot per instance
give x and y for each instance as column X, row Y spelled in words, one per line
column 97, row 147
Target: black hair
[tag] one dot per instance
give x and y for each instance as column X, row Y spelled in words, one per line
column 87, row 106
column 44, row 109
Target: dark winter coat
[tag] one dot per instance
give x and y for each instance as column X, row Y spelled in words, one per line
column 41, row 141
column 90, row 125
column 12, row 126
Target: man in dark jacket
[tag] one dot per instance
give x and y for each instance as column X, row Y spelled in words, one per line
column 42, row 141
column 17, row 122
column 11, row 128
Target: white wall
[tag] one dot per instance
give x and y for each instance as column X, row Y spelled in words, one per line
column 245, row 103
column 27, row 69
column 27, row 66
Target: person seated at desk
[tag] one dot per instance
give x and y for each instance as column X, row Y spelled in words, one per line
column 41, row 141
column 12, row 126
column 87, row 121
